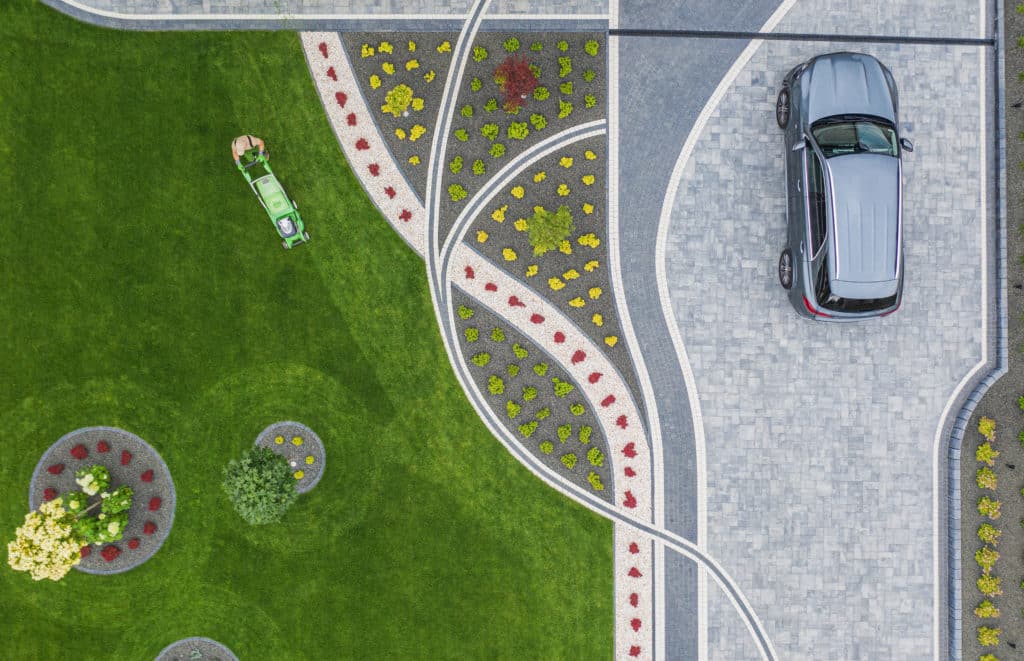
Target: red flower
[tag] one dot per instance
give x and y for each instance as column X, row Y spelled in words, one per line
column 323, row 49
column 621, row 421
column 634, row 598
column 579, row 356
column 634, row 650
column 79, row 452
column 469, row 273
column 341, row 98
column 595, row 377
column 629, row 472
column 374, row 169
column 149, row 528
column 634, row 572
column 634, row 547
column 536, row 318
column 406, row 215
column 608, row 401
column 362, row 144
column 490, row 286
column 331, row 74
column 49, row 494
column 629, row 450
column 559, row 337
column 133, row 543
column 126, row 456
column 55, row 469
column 629, row 502
column 391, row 194
column 514, row 302
column 103, row 446
column 351, row 119
column 85, row 551
column 110, row 552
column 154, row 503
column 147, row 476
column 635, row 623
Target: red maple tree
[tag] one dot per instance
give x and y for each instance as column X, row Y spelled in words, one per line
column 516, row 80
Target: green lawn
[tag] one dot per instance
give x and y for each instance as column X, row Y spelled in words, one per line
column 144, row 288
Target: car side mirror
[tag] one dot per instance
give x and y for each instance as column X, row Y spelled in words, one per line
column 907, row 144
column 800, row 145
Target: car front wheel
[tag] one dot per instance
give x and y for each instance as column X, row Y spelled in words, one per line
column 782, row 108
column 786, row 269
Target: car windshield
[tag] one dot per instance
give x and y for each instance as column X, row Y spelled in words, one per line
column 850, row 135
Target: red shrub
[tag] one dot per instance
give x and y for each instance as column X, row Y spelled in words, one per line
column 55, row 469
column 110, row 552
column 133, row 543
column 126, row 456
column 49, row 494
column 85, row 551
column 154, row 503
column 149, row 528
column 103, row 446
column 79, row 452
column 515, row 80
column 147, row 476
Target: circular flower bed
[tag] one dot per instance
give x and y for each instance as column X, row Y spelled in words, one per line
column 131, row 462
column 301, row 447
column 189, row 649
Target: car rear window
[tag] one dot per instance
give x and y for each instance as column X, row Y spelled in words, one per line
column 829, row 301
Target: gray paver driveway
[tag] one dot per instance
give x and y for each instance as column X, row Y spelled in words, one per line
column 820, row 438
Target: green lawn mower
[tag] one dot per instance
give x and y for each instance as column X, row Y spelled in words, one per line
column 283, row 212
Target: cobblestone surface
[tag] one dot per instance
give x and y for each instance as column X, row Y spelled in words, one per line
column 820, row 436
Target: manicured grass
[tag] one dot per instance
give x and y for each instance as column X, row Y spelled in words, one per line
column 144, row 288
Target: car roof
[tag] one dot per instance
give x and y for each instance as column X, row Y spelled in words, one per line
column 866, row 223
column 847, row 84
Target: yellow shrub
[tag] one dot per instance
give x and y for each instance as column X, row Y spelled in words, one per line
column 299, row 475
column 481, row 236
column 388, row 68
column 595, row 293
column 429, row 76
column 414, row 160
column 531, row 270
column 367, row 50
column 571, row 274
column 412, row 64
column 590, row 240
column 598, row 320
column 563, row 190
column 509, row 254
column 411, row 46
column 498, row 215
column 385, row 47
column 400, row 133
column 588, row 208
column 417, row 104
column 374, row 81
column 611, row 340
column 555, row 283
column 521, row 225
column 587, row 179
column 518, row 192
column 445, row 47
column 565, row 161
column 565, row 247
column 591, row 265
column 539, row 177
column 416, row 132
column 577, row 302
column 589, row 155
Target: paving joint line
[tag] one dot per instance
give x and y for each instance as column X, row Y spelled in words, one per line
column 805, row 36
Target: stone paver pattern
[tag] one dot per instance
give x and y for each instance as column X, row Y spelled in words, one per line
column 820, row 437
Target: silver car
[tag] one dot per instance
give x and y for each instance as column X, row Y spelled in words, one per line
column 844, row 255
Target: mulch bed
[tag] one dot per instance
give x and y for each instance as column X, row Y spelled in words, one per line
column 280, row 437
column 193, row 649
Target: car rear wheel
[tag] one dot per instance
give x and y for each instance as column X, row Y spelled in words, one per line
column 786, row 269
column 782, row 108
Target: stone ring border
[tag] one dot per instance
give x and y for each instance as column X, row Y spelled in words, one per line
column 220, row 647
column 266, row 439
column 162, row 533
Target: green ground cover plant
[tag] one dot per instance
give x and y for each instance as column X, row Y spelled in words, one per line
column 153, row 295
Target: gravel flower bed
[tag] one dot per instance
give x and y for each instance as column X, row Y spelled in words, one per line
column 485, row 136
column 575, row 277
column 538, row 402
column 418, row 60
column 301, row 447
column 132, row 462
column 193, row 649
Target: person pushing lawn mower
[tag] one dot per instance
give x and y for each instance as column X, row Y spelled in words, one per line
column 283, row 212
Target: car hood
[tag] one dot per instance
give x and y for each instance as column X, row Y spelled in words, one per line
column 866, row 216
column 847, row 84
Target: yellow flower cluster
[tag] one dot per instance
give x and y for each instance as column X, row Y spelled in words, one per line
column 555, row 283
column 563, row 190
column 279, row 439
column 385, row 47
column 481, row 236
column 388, row 68
column 598, row 320
column 498, row 215
column 45, row 546
column 587, row 179
column 521, row 225
column 595, row 293
column 509, row 254
column 297, row 441
column 565, row 162
column 577, row 302
column 367, row 50
column 591, row 265
column 611, row 340
column 589, row 155
column 590, row 240
column 445, row 47
column 414, row 160
column 416, row 132
column 412, row 64
column 571, row 274
column 565, row 247
column 429, row 76
column 531, row 270
column 518, row 192
column 411, row 46
column 588, row 208
column 374, row 81
column 539, row 177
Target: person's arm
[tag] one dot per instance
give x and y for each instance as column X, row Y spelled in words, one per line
column 263, row 145
column 236, row 155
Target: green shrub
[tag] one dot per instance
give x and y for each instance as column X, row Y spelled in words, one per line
column 497, row 334
column 543, row 413
column 569, row 460
column 456, row 165
column 562, row 388
column 986, row 454
column 517, row 131
column 539, row 123
column 564, row 66
column 478, row 167
column 497, row 150
column 519, row 351
column 457, row 192
column 472, row 334
column 1020, row 403
column 541, row 93
column 527, row 429
column 988, row 637
column 260, row 486
column 489, row 131
column 986, row 479
column 495, row 385
column 564, row 432
column 589, row 101
column 479, row 53
column 986, row 609
column 595, row 457
column 595, row 481
column 461, row 135
column 986, row 558
column 119, row 500
column 1020, row 437
column 988, row 585
column 465, row 313
column 511, row 45
column 562, row 45
column 989, row 534
column 491, row 106
column 589, row 75
column 540, row 369
column 547, row 230
column 564, row 109
column 577, row 409
column 475, row 84
column 566, row 87
column 513, row 370
column 547, row 447
column 591, row 47
column 987, row 428
column 988, row 507
column 537, row 46
column 481, row 359
column 512, row 408
column 535, row 70
column 585, row 432
column 529, row 393
column 74, row 501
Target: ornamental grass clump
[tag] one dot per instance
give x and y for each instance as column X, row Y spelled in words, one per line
column 516, row 81
column 988, row 637
column 260, row 486
column 986, row 609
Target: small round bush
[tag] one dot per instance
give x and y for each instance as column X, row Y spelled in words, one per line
column 260, row 486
